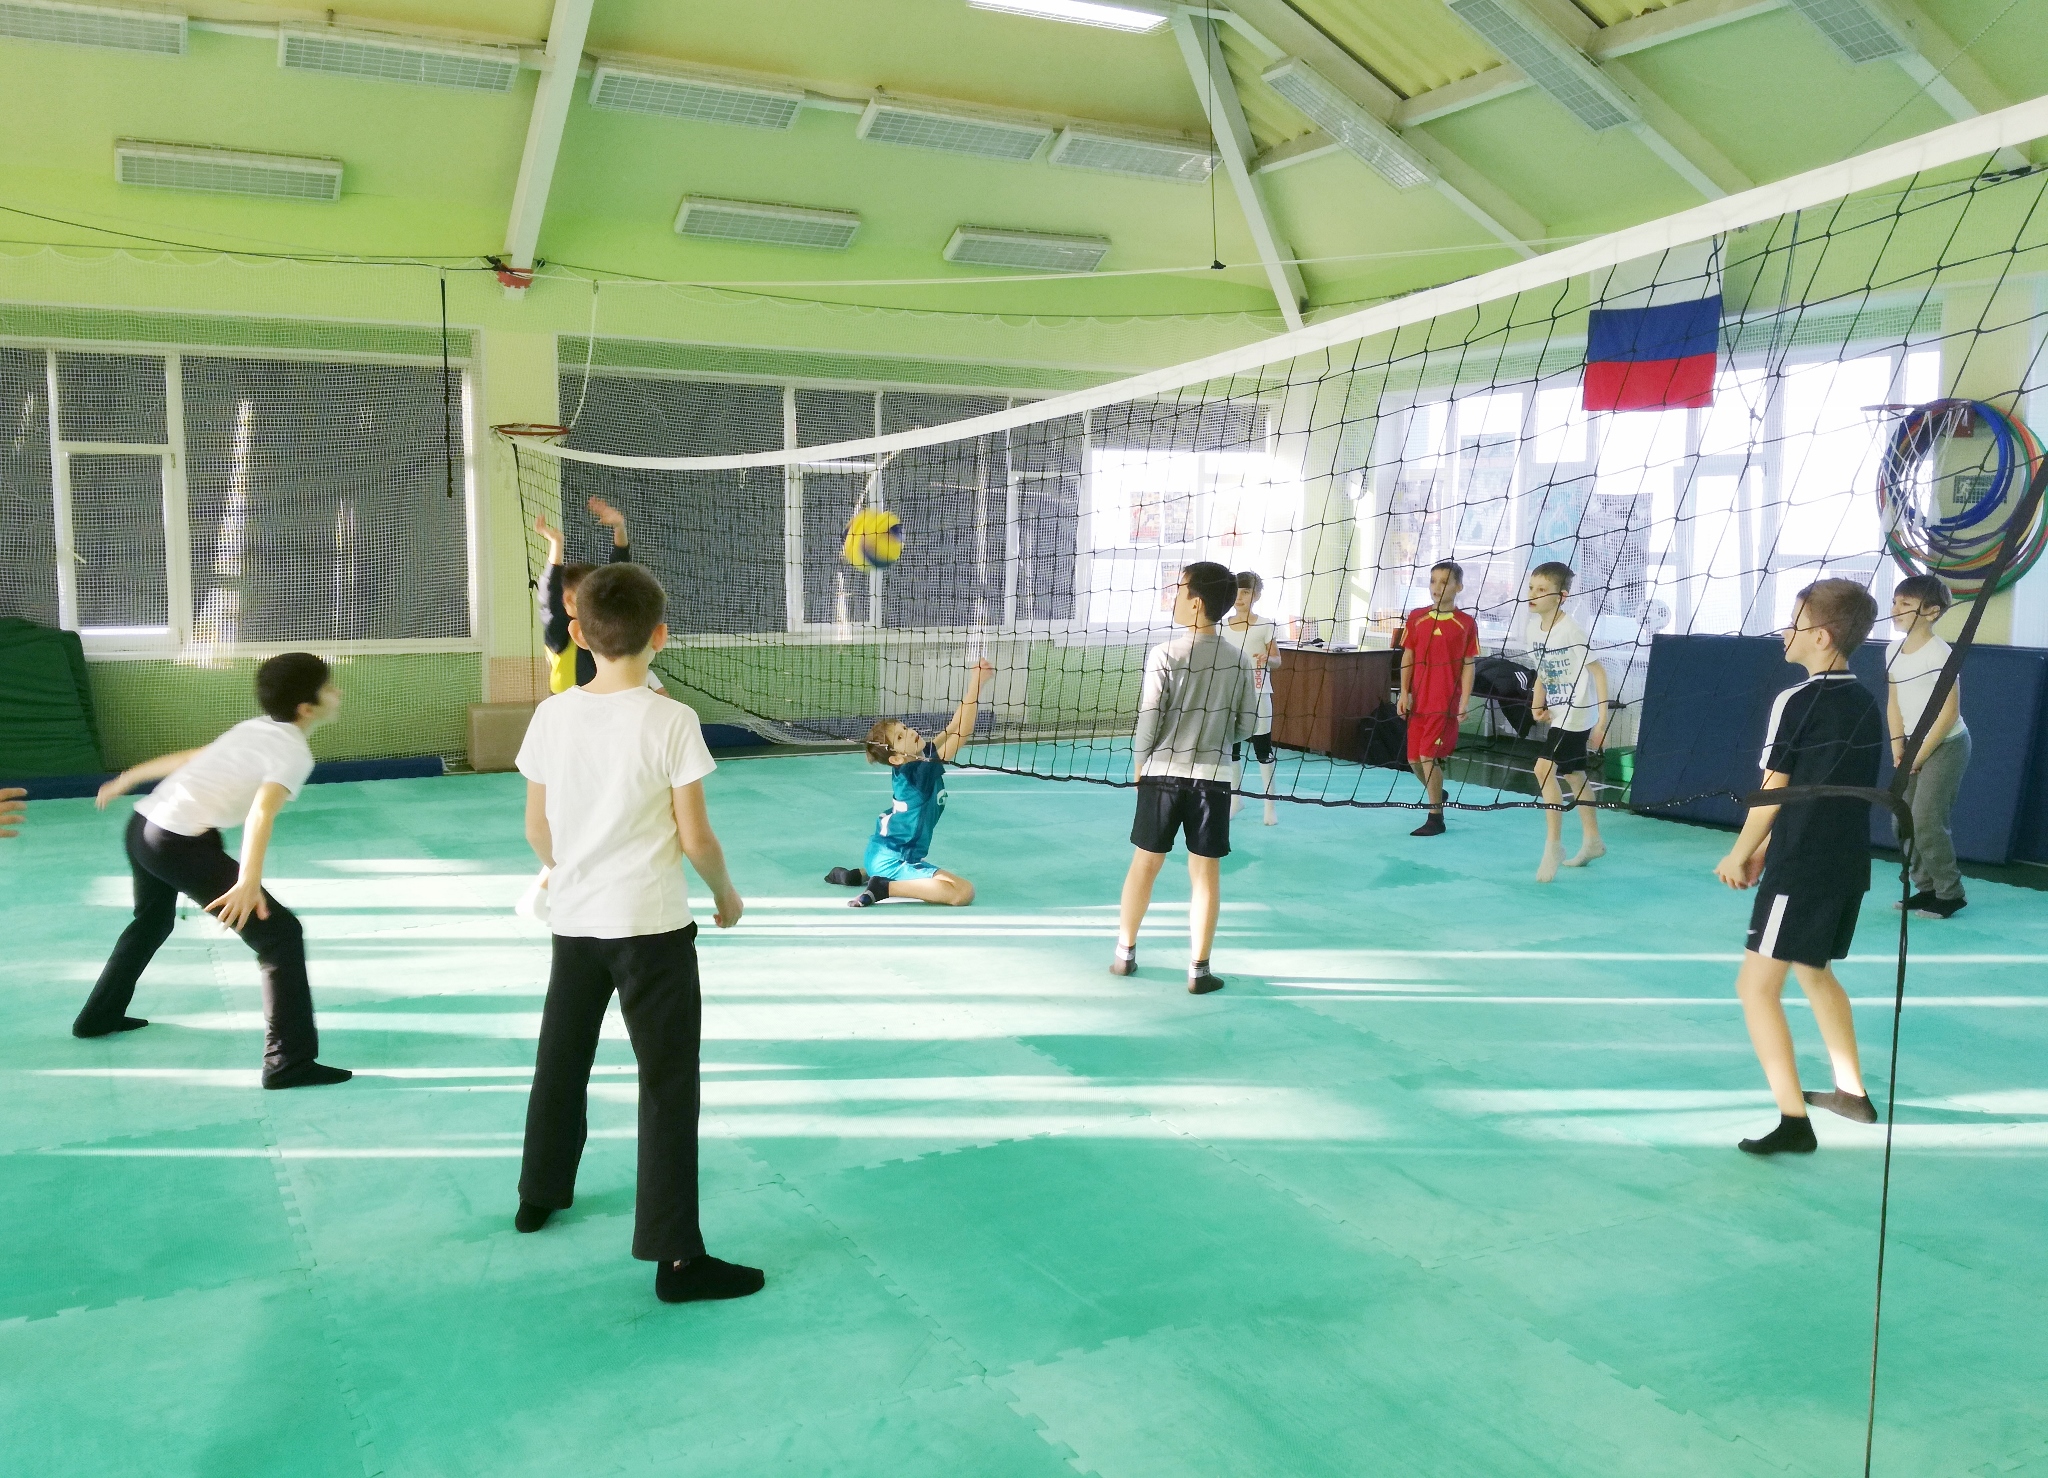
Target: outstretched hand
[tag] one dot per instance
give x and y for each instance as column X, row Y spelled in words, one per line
column 12, row 811
column 607, row 515
column 549, row 532
column 112, row 791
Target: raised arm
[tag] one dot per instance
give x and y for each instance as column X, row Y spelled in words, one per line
column 235, row 907
column 134, row 775
column 961, row 729
column 611, row 518
column 700, row 845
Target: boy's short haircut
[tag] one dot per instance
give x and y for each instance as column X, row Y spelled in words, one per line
column 1556, row 571
column 618, row 608
column 574, row 574
column 877, row 742
column 1457, row 570
column 1213, row 585
column 1928, row 590
column 1249, row 580
column 288, row 680
column 1842, row 608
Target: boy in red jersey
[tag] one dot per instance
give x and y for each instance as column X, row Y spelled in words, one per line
column 1439, row 653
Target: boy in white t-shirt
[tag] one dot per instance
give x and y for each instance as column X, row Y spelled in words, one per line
column 1912, row 664
column 244, row 778
column 1571, row 696
column 614, row 802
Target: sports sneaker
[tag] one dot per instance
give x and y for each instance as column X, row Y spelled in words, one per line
column 1201, row 985
column 1940, row 908
column 1119, row 965
column 1917, row 902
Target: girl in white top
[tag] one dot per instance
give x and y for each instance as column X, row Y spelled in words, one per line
column 1912, row 665
column 1256, row 637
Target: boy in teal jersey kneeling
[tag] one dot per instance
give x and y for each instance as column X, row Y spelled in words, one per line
column 895, row 865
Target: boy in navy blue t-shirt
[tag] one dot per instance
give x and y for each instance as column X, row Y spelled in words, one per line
column 1810, row 862
column 895, row 865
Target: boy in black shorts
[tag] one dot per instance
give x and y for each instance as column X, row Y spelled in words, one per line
column 1812, row 860
column 1199, row 700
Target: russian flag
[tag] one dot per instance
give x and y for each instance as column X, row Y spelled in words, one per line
column 1653, row 359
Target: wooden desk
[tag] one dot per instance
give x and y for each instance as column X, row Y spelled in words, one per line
column 1319, row 696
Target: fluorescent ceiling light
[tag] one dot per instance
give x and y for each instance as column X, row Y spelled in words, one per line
column 1148, row 158
column 697, row 96
column 384, row 58
column 1552, row 63
column 951, row 130
column 1027, row 250
column 766, row 225
column 1350, row 126
column 114, row 28
column 226, row 171
column 1858, row 31
column 1080, row 12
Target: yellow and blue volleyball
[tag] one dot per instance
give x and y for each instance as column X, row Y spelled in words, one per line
column 873, row 539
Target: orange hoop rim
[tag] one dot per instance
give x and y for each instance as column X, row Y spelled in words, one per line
column 532, row 430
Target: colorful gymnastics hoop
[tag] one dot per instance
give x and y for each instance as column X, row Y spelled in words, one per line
column 1961, row 548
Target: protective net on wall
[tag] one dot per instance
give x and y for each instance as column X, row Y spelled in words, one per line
column 189, row 511
column 1467, row 423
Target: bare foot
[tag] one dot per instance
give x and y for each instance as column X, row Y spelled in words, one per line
column 1546, row 870
column 1587, row 852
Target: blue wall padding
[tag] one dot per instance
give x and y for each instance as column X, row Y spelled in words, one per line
column 1708, row 698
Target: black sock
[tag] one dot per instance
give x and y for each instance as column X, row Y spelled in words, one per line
column 307, row 1075
column 1200, row 981
column 1849, row 1105
column 531, row 1218
column 127, row 1024
column 1791, row 1137
column 1433, row 827
column 876, row 890
column 705, row 1277
column 846, row 877
column 1198, row 967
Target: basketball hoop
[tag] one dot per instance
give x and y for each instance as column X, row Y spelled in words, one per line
column 531, row 431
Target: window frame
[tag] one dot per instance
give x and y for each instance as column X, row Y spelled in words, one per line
column 175, row 640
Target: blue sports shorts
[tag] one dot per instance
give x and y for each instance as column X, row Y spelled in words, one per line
column 884, row 861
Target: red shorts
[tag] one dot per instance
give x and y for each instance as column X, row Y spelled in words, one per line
column 1431, row 736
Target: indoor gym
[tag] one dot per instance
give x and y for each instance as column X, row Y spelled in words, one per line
column 306, row 318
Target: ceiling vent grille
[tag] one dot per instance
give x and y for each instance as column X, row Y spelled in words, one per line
column 697, row 98
column 1151, row 159
column 393, row 59
column 160, row 33
column 1552, row 63
column 766, row 225
column 1028, row 250
column 888, row 121
column 226, row 172
column 1350, row 126
column 1859, row 33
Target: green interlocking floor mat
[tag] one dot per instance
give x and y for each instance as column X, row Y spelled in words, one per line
column 1444, row 1183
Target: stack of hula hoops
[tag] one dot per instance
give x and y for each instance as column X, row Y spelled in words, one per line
column 1961, row 546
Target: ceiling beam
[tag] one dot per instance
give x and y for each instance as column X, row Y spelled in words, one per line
column 1202, row 49
column 1667, row 135
column 551, row 98
column 1286, row 28
column 1953, row 80
column 1674, row 22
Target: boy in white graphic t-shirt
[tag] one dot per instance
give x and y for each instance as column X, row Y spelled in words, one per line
column 614, row 803
column 244, row 778
column 1912, row 664
column 1571, row 696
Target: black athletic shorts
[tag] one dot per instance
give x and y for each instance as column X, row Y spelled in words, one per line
column 1566, row 748
column 1262, row 748
column 1810, row 929
column 1171, row 804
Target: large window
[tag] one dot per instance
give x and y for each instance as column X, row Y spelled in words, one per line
column 990, row 526
column 1685, row 520
column 156, row 502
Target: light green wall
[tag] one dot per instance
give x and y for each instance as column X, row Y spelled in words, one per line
column 391, row 705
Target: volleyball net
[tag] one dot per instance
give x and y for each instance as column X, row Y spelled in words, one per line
column 1830, row 376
